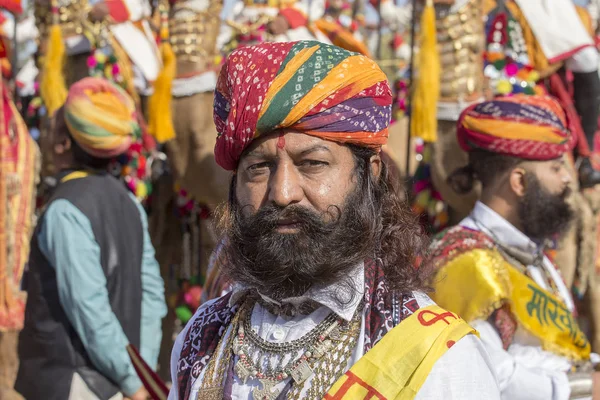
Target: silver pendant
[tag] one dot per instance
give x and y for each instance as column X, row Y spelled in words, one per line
column 322, row 349
column 336, row 334
column 237, row 346
column 242, row 371
column 265, row 393
column 302, row 372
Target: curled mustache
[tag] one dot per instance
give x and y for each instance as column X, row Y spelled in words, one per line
column 268, row 218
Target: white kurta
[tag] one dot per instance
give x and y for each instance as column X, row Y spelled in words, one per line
column 463, row 373
column 524, row 371
column 556, row 26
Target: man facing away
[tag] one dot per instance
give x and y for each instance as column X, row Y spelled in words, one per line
column 492, row 269
column 94, row 285
column 326, row 300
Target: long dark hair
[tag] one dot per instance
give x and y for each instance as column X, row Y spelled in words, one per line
column 399, row 241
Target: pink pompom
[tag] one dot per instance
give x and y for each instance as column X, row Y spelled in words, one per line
column 192, row 297
column 131, row 184
column 512, row 69
column 402, row 104
column 115, row 69
column 92, row 62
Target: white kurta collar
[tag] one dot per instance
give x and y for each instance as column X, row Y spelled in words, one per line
column 487, row 220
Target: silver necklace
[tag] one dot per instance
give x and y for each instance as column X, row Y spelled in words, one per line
column 255, row 355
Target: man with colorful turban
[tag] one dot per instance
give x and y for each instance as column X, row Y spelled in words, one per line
column 93, row 283
column 326, row 299
column 492, row 268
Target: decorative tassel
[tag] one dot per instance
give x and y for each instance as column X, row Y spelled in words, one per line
column 53, row 88
column 427, row 88
column 160, row 119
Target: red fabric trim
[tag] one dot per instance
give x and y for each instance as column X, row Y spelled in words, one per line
column 140, row 366
column 14, row 6
column 569, row 54
column 118, row 10
column 559, row 90
column 505, row 324
column 294, row 18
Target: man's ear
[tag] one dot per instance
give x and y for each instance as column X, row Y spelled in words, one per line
column 375, row 162
column 63, row 146
column 517, row 181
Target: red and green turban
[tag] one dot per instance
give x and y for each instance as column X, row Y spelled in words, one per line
column 314, row 88
column 101, row 117
column 528, row 127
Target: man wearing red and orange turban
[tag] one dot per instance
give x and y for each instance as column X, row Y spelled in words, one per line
column 492, row 268
column 326, row 302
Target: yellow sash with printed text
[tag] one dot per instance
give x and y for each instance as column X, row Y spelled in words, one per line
column 399, row 364
column 547, row 317
column 477, row 282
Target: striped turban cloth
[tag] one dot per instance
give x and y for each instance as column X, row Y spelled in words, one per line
column 101, row 117
column 528, row 127
column 310, row 87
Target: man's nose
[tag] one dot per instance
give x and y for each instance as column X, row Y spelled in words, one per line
column 566, row 177
column 284, row 185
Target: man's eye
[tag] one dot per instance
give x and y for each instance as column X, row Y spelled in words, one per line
column 258, row 166
column 557, row 167
column 313, row 163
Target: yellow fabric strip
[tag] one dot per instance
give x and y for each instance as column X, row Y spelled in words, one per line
column 513, row 130
column 481, row 279
column 547, row 317
column 288, row 72
column 478, row 282
column 399, row 364
column 363, row 75
column 74, row 175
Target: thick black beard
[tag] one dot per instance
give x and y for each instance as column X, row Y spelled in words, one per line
column 543, row 214
column 325, row 250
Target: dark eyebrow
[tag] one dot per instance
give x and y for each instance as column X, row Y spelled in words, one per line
column 261, row 154
column 255, row 153
column 313, row 149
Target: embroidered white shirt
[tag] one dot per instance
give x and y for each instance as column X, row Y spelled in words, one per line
column 464, row 372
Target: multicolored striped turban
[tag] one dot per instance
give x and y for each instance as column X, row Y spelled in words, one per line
column 101, row 117
column 528, row 127
column 310, row 87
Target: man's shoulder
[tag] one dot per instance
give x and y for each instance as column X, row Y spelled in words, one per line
column 214, row 312
column 455, row 241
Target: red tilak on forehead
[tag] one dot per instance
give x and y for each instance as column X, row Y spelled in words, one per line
column 281, row 141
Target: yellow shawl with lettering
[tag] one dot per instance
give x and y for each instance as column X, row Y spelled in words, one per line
column 397, row 367
column 473, row 280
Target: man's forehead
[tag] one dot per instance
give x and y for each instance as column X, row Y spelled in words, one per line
column 292, row 142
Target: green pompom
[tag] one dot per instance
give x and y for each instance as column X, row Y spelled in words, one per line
column 183, row 313
column 500, row 64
